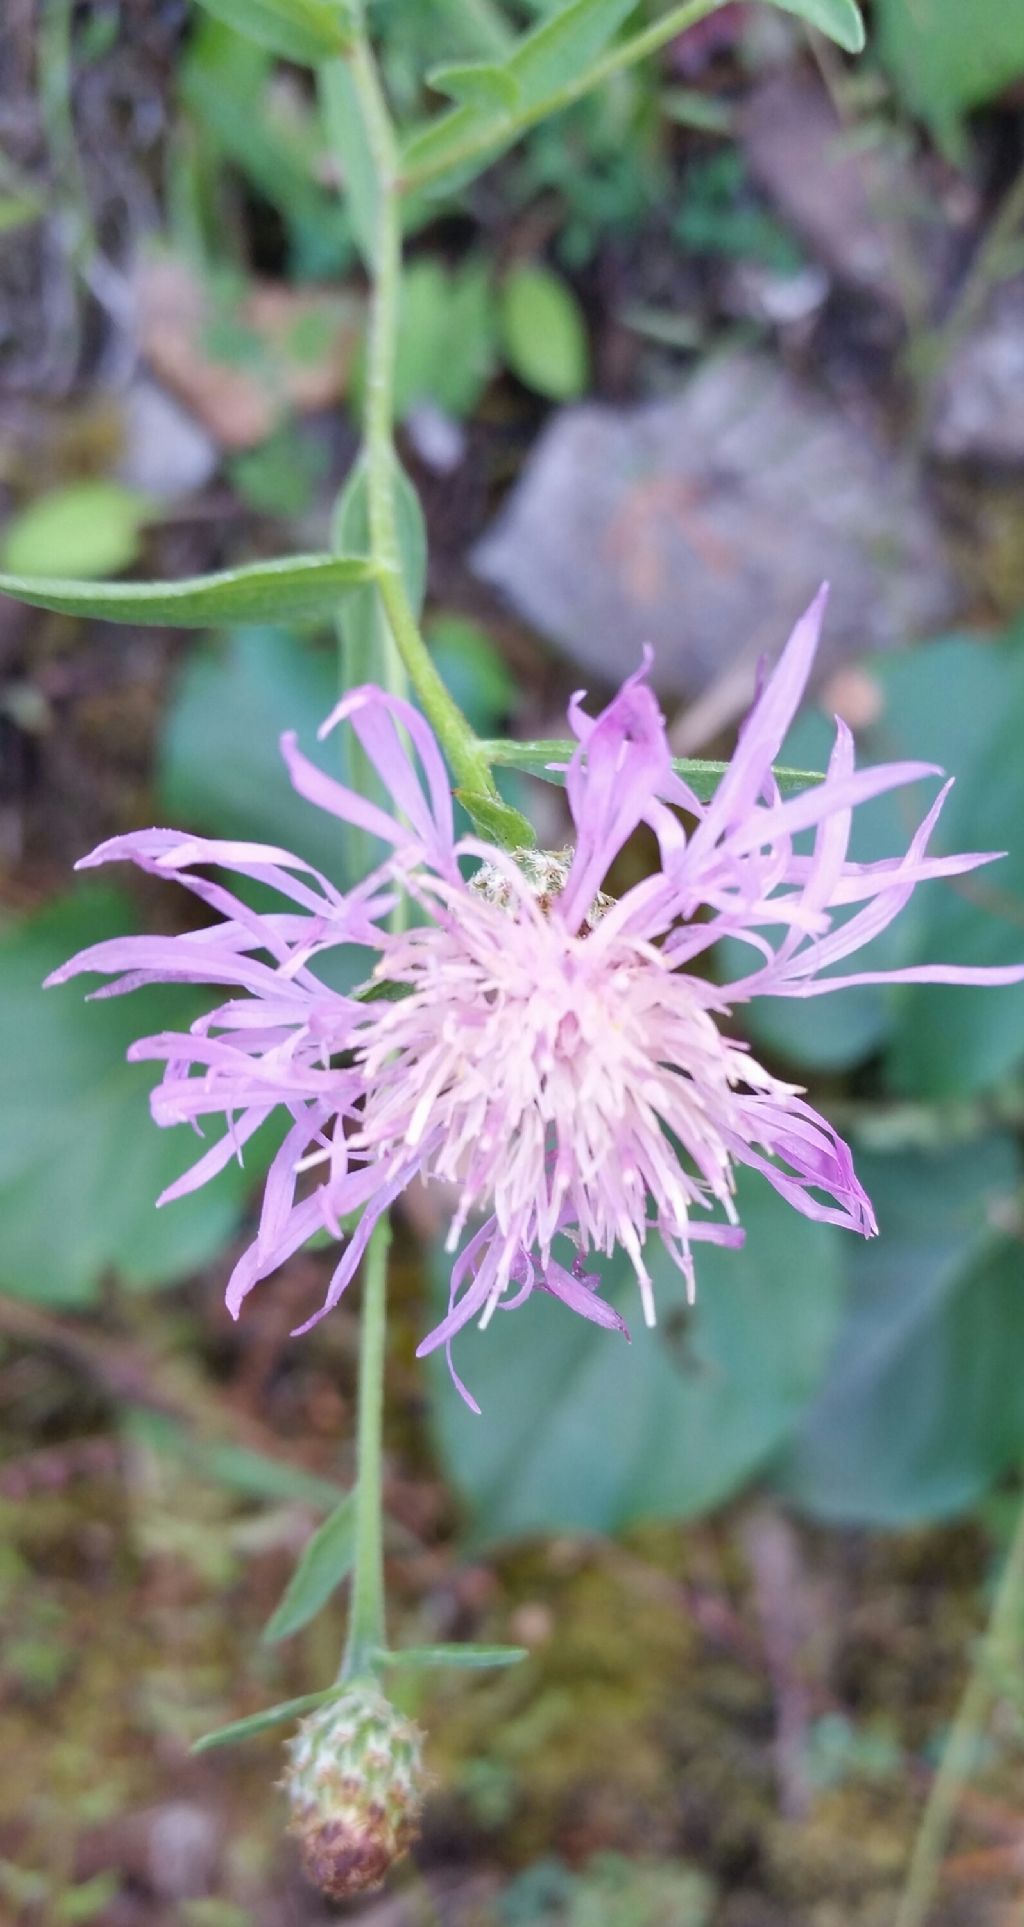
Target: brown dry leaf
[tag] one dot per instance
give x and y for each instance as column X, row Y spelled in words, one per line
column 239, row 369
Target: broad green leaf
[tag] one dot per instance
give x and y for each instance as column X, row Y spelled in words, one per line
column 544, row 334
column 255, row 1474
column 538, row 64
column 326, row 1561
column 81, row 1163
column 829, row 1033
column 923, row 1405
column 301, row 30
column 839, row 20
column 958, row 703
column 465, row 1658
column 91, row 528
column 967, row 699
column 702, row 776
column 477, row 83
column 219, row 764
column 257, row 1723
column 582, row 1431
column 947, row 58
column 294, row 588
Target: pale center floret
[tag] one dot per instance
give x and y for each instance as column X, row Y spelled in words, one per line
column 553, row 1078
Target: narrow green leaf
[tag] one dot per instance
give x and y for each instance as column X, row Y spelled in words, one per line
column 498, row 821
column 348, row 138
column 302, row 30
column 326, row 1561
column 839, row 20
column 702, row 776
column 254, row 1473
column 477, row 83
column 261, row 1722
column 292, row 588
column 466, row 1658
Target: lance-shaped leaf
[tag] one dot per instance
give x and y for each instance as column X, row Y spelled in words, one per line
column 703, row 776
column 838, row 20
column 247, row 1729
column 304, row 30
column 477, row 83
column 326, row 1561
column 465, row 1658
column 294, row 588
column 559, row 62
column 511, row 90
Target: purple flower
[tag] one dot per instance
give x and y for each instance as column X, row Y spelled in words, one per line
column 549, row 1055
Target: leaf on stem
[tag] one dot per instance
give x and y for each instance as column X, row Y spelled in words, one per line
column 326, row 1561
column 303, row 30
column 260, row 1722
column 477, row 83
column 466, row 1658
column 298, row 587
column 497, row 821
column 702, row 776
column 838, row 20
column 537, row 65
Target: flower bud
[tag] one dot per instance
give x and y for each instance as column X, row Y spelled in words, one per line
column 355, row 1783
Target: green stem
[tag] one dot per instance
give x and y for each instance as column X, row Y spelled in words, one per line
column 502, row 133
column 366, row 1626
column 1000, row 1646
column 465, row 757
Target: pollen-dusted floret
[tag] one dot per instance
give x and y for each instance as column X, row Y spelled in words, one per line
column 355, row 1785
column 556, row 1060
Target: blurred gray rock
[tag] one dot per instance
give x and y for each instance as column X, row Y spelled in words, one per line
column 165, row 452
column 704, row 525
column 849, row 206
column 978, row 412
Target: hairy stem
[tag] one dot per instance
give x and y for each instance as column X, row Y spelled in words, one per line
column 366, row 1626
column 999, row 1649
column 465, row 757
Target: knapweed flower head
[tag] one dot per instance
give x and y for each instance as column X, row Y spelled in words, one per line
column 557, row 1061
column 355, row 1784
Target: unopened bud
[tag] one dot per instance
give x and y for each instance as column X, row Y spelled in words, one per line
column 355, row 1784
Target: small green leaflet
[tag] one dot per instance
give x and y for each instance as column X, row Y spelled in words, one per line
column 702, row 776
column 498, row 820
column 465, row 1658
column 291, row 588
column 838, row 20
column 477, row 83
column 261, row 1722
column 305, row 30
column 538, row 64
column 326, row 1561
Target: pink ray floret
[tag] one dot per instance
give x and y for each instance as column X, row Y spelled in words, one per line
column 545, row 1055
